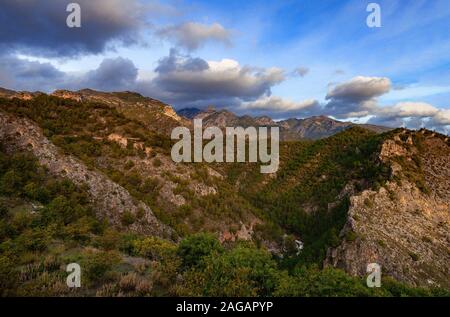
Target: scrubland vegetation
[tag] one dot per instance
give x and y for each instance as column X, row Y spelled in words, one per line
column 48, row 222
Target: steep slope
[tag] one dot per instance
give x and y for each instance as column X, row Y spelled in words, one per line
column 319, row 195
column 404, row 225
column 112, row 201
column 187, row 197
column 359, row 197
column 154, row 114
column 308, row 196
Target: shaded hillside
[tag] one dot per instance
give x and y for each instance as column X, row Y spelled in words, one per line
column 187, row 197
column 389, row 193
column 309, row 194
column 111, row 201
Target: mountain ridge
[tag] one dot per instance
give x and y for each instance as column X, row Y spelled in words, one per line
column 312, row 128
column 117, row 147
column 128, row 103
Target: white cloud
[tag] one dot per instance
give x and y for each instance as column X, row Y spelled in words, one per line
column 442, row 117
column 274, row 103
column 185, row 79
column 360, row 88
column 192, row 35
column 356, row 97
column 408, row 109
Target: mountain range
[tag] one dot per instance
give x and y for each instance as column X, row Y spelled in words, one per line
column 312, row 128
column 87, row 177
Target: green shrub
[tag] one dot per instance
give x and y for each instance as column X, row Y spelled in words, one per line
column 157, row 162
column 242, row 271
column 127, row 218
column 315, row 282
column 351, row 236
column 3, row 211
column 414, row 256
column 94, row 265
column 154, row 248
column 195, row 248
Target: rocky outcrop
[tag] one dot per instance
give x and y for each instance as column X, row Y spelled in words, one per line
column 111, row 200
column 119, row 139
column 401, row 227
column 155, row 114
column 24, row 95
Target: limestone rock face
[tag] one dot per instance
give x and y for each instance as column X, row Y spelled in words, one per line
column 401, row 227
column 111, row 199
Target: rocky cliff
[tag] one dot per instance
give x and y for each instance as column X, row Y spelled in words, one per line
column 404, row 225
column 111, row 199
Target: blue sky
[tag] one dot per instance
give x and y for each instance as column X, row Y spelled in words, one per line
column 288, row 58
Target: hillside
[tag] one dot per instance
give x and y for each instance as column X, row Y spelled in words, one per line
column 360, row 197
column 153, row 114
column 138, row 159
column 404, row 225
column 144, row 225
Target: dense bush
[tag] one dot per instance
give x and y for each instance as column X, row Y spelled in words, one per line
column 194, row 249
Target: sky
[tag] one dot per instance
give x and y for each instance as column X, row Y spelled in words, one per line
column 285, row 58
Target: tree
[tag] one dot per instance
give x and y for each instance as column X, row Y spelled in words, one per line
column 242, row 271
column 195, row 248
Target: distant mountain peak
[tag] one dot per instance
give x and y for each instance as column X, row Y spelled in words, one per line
column 145, row 108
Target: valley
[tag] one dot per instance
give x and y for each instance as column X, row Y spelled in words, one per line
column 87, row 177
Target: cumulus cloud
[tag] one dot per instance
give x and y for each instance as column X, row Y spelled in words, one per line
column 442, row 117
column 360, row 88
column 357, row 97
column 412, row 115
column 179, row 79
column 274, row 103
column 22, row 74
column 112, row 74
column 192, row 35
column 182, row 79
column 408, row 109
column 39, row 27
column 280, row 108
